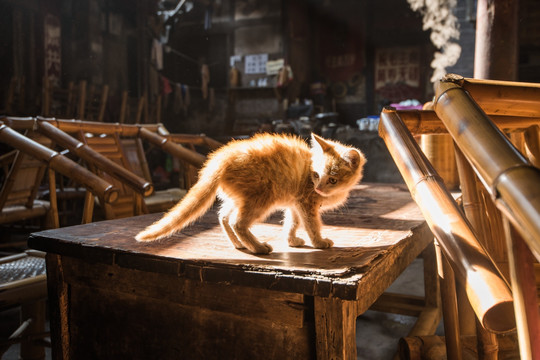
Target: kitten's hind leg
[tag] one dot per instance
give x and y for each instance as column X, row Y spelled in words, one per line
column 225, row 214
column 244, row 219
column 291, row 221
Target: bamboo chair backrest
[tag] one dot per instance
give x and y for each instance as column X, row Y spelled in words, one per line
column 129, row 203
column 134, row 154
column 63, row 102
column 133, row 110
column 141, row 110
column 25, row 177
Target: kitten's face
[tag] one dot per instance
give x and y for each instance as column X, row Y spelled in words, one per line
column 334, row 168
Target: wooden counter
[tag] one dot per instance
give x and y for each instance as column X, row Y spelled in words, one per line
column 194, row 296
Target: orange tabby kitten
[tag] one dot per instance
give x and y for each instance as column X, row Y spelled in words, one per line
column 267, row 172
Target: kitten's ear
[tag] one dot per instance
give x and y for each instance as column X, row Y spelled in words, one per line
column 354, row 158
column 316, row 140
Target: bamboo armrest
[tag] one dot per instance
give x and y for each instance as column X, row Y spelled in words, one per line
column 18, row 123
column 86, row 153
column 59, row 163
column 176, row 150
column 195, row 140
column 130, row 130
column 488, row 293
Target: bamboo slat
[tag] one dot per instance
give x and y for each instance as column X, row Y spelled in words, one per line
column 488, row 293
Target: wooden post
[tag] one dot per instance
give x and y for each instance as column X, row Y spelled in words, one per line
column 496, row 49
column 59, row 307
column 335, row 328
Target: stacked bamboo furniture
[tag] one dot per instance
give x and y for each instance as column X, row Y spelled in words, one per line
column 494, row 240
column 115, row 152
column 22, row 276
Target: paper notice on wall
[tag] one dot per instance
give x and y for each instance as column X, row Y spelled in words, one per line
column 273, row 67
column 256, row 64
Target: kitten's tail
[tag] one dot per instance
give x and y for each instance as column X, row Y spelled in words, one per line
column 196, row 202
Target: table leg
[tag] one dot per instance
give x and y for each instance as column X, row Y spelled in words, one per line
column 335, row 328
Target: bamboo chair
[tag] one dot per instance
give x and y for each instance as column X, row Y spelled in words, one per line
column 498, row 181
column 510, row 177
column 18, row 197
column 130, row 137
column 22, row 276
column 15, row 104
column 132, row 110
column 63, row 102
column 104, row 156
column 96, row 103
column 141, row 110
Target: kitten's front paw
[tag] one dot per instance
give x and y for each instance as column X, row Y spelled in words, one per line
column 323, row 244
column 295, row 241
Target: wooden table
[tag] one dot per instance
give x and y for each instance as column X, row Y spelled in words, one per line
column 195, row 297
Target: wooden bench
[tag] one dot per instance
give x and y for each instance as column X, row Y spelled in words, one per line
column 196, row 297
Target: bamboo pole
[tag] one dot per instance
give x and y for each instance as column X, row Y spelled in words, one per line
column 525, row 294
column 86, row 153
column 488, row 293
column 454, row 350
column 73, row 126
column 175, row 150
column 59, row 163
column 509, row 177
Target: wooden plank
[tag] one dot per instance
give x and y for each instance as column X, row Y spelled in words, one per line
column 264, row 305
column 403, row 304
column 160, row 329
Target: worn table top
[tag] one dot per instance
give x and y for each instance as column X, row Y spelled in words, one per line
column 380, row 228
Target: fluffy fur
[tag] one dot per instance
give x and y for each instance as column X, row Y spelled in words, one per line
column 267, row 172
